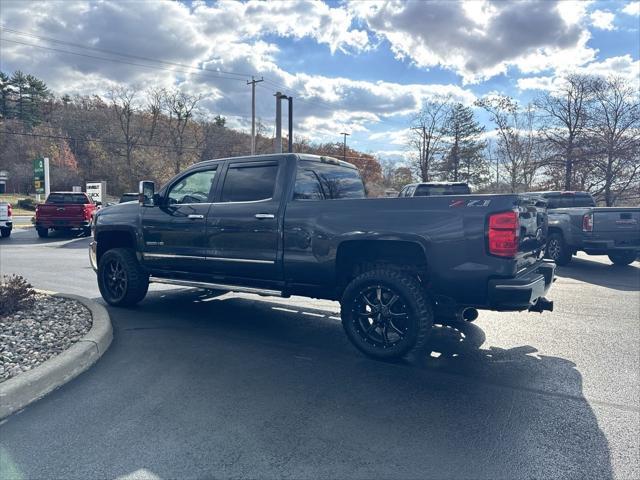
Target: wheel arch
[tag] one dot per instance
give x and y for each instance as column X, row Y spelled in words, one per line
column 355, row 256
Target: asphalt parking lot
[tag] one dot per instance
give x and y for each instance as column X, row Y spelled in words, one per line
column 197, row 386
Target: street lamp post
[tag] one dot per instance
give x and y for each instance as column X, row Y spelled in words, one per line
column 344, row 145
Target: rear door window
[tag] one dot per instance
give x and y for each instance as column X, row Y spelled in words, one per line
column 249, row 183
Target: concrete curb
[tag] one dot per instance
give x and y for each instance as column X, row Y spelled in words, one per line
column 18, row 392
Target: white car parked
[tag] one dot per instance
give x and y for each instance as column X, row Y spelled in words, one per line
column 6, row 219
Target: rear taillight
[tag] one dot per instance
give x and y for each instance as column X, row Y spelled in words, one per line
column 587, row 222
column 87, row 212
column 504, row 231
column 9, row 210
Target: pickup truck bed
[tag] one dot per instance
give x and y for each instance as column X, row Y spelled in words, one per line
column 298, row 225
column 581, row 226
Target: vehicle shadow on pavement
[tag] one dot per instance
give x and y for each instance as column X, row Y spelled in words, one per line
column 624, row 278
column 200, row 385
column 30, row 237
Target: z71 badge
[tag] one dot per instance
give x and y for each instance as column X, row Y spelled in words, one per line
column 469, row 203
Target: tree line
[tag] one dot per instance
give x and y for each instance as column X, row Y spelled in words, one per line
column 127, row 135
column 583, row 135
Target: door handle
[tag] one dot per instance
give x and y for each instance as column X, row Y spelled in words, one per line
column 195, row 217
column 263, row 216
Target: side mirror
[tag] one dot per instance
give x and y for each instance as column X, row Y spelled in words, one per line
column 146, row 191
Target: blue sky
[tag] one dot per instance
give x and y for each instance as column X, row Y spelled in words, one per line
column 362, row 67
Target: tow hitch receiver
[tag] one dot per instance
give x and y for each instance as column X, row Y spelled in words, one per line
column 541, row 305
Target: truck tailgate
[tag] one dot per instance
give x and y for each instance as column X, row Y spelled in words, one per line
column 60, row 213
column 616, row 220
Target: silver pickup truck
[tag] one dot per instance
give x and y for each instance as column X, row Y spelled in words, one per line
column 6, row 219
column 576, row 224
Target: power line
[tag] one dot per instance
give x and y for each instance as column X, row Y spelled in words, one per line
column 96, row 140
column 112, row 52
column 115, row 60
column 142, row 145
column 201, row 71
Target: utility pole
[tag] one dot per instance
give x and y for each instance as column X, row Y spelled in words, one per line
column 253, row 112
column 290, row 124
column 344, row 145
column 278, row 146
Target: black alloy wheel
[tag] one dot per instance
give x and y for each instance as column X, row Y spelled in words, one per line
column 121, row 279
column 386, row 313
column 115, row 279
column 380, row 316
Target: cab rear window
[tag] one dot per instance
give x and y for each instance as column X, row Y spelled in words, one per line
column 569, row 201
column 338, row 181
column 69, row 198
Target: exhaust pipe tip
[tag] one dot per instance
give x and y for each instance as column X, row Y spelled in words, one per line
column 469, row 314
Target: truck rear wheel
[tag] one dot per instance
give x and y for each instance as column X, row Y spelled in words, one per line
column 5, row 232
column 43, row 232
column 386, row 313
column 121, row 279
column 557, row 250
column 625, row 257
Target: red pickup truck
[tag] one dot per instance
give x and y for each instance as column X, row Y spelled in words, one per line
column 65, row 211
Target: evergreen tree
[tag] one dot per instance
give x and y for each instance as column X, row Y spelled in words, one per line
column 463, row 159
column 5, row 92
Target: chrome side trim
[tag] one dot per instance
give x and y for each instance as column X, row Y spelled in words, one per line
column 168, row 255
column 241, row 260
column 520, row 287
column 216, row 286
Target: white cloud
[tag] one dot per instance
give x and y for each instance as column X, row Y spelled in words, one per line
column 228, row 36
column 602, row 19
column 632, row 8
column 621, row 66
column 480, row 40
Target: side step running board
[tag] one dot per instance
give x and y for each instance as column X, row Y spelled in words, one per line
column 216, row 286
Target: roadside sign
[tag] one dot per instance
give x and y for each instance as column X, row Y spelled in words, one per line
column 38, row 175
column 97, row 191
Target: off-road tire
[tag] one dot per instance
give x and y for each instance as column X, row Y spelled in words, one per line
column 43, row 232
column 622, row 258
column 416, row 302
column 558, row 250
column 136, row 281
column 5, row 232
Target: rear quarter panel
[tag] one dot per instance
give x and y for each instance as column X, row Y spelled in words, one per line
column 450, row 229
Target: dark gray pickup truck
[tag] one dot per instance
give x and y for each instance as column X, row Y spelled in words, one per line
column 575, row 223
column 294, row 224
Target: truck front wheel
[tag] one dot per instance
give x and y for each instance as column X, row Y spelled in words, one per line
column 625, row 257
column 121, row 279
column 386, row 313
column 557, row 249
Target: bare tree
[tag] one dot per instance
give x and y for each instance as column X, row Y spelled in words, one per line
column 517, row 139
column 614, row 125
column 427, row 128
column 566, row 117
column 123, row 107
column 155, row 98
column 180, row 108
